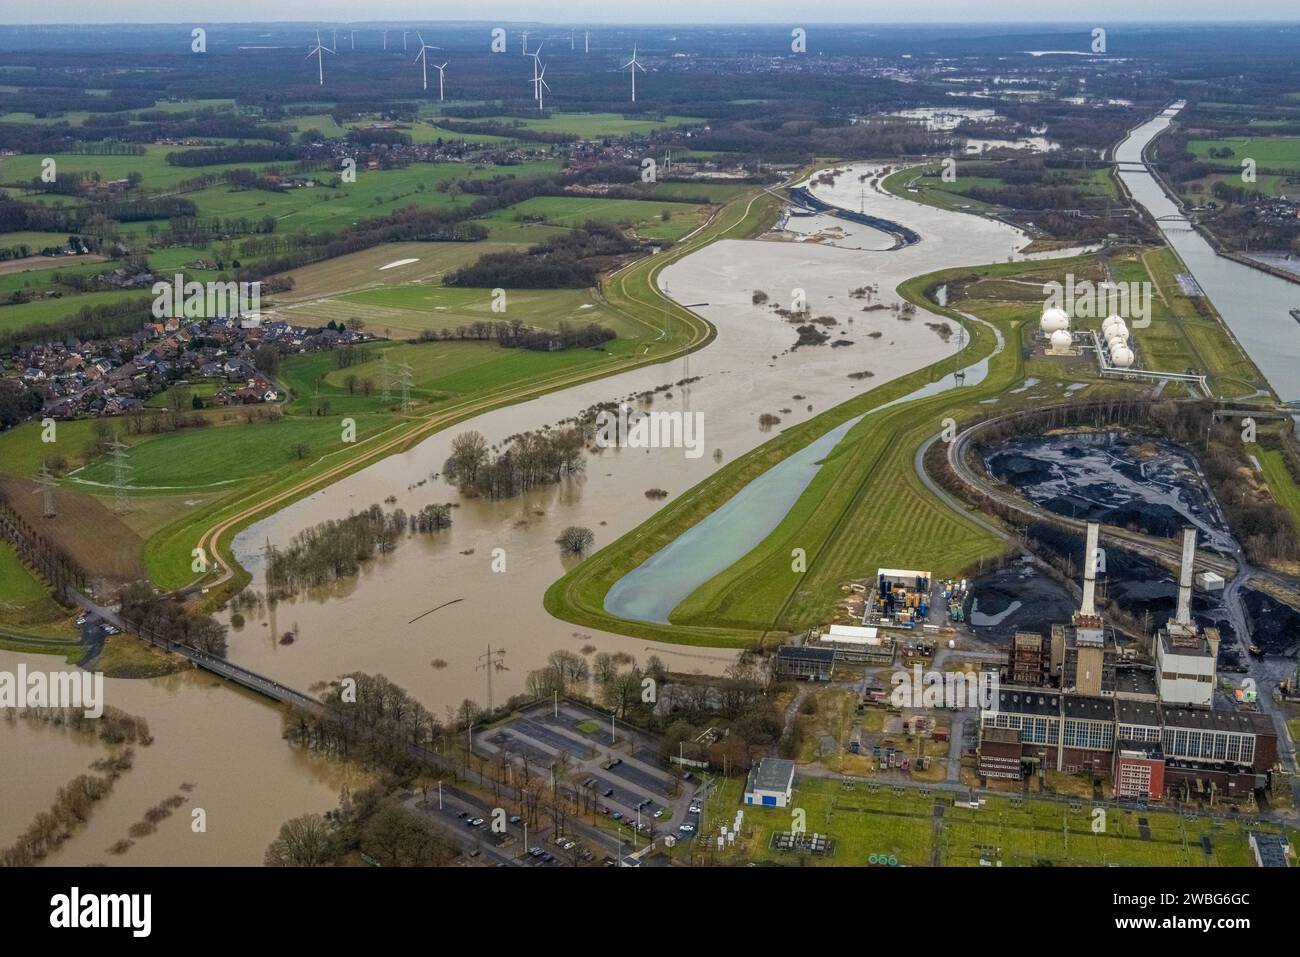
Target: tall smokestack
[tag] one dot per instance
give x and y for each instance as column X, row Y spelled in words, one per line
column 1184, row 616
column 1089, row 606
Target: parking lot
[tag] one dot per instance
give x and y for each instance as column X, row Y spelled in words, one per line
column 618, row 767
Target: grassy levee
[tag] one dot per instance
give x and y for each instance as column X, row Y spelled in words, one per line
column 631, row 291
column 866, row 504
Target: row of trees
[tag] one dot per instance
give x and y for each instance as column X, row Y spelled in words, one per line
column 161, row 618
column 337, row 548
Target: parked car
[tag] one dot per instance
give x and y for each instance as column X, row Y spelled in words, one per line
column 686, row 828
column 608, row 792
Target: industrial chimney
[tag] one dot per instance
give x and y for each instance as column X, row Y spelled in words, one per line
column 1089, row 607
column 1184, row 615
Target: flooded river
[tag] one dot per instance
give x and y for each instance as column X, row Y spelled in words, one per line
column 747, row 371
column 222, row 741
column 227, row 744
column 1254, row 304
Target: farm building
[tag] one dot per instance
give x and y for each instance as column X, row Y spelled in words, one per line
column 770, row 783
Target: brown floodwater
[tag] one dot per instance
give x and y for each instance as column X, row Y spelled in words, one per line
column 224, row 741
column 227, row 743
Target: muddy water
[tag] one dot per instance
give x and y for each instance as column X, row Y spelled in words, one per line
column 747, row 371
column 228, row 744
column 223, row 741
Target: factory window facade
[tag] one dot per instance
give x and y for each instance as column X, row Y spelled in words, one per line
column 1139, row 732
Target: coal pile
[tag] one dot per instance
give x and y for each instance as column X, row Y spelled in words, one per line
column 1274, row 625
column 1128, row 481
column 1018, row 597
column 1138, row 586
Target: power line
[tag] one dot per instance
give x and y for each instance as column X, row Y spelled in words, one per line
column 385, row 377
column 488, row 662
column 404, row 376
column 46, row 486
column 120, row 468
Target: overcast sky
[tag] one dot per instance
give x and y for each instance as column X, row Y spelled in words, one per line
column 642, row 11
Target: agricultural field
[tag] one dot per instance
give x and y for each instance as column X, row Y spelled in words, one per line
column 381, row 267
column 596, row 125
column 1271, row 153
column 441, row 373
column 375, row 193
column 646, row 218
column 200, row 459
column 152, row 165
column 34, row 240
column 1197, row 191
column 25, row 603
column 14, row 317
column 406, row 311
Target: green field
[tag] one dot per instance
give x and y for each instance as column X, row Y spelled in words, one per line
column 647, row 218
column 1280, row 481
column 204, row 458
column 441, row 373
column 926, row 186
column 32, row 239
column 152, row 165
column 22, row 315
column 920, row 828
column 375, row 193
column 596, row 125
column 1274, row 153
column 25, row 604
column 410, row 309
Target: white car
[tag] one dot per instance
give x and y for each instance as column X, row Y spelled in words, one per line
column 686, row 828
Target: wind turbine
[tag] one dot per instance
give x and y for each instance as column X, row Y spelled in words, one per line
column 334, row 39
column 404, row 50
column 524, row 44
column 424, row 60
column 441, row 76
column 633, row 65
column 537, row 62
column 586, row 42
column 317, row 51
column 385, row 41
column 541, row 85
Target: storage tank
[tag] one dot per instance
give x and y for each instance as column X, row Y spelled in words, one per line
column 1121, row 357
column 1061, row 340
column 1053, row 320
column 1112, row 325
